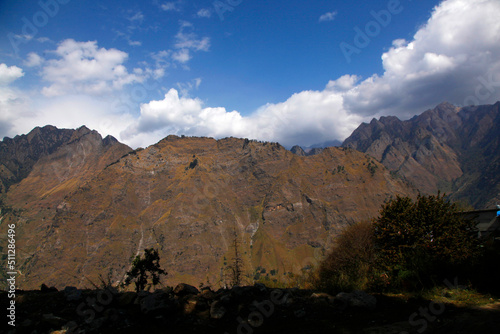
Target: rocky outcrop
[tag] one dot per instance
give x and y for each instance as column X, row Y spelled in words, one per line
column 298, row 151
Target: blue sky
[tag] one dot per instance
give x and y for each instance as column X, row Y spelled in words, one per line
column 296, row 72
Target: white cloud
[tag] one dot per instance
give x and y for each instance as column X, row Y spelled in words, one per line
column 343, row 84
column 207, row 13
column 83, row 67
column 308, row 117
column 20, row 113
column 8, row 74
column 181, row 115
column 13, row 104
column 127, row 37
column 330, row 16
column 187, row 41
column 182, row 56
column 186, row 87
column 162, row 62
column 44, row 40
column 137, row 17
column 169, row 6
column 134, row 43
column 33, row 60
column 67, row 111
column 454, row 57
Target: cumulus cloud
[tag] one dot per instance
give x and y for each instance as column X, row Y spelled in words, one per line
column 12, row 102
column 343, row 84
column 20, row 113
column 67, row 111
column 84, row 67
column 33, row 60
column 9, row 74
column 14, row 106
column 330, row 16
column 454, row 57
column 308, row 117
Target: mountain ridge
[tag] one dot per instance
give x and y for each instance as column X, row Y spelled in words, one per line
column 447, row 148
column 189, row 197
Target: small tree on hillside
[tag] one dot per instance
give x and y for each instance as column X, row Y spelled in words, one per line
column 235, row 269
column 423, row 241
column 144, row 269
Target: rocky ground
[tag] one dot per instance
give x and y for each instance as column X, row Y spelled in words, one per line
column 252, row 309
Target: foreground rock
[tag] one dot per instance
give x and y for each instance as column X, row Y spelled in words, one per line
column 183, row 308
column 359, row 299
column 250, row 309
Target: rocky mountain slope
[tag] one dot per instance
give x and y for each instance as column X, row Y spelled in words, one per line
column 84, row 211
column 452, row 149
column 19, row 155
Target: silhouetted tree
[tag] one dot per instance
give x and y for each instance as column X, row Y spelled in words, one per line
column 236, row 267
column 144, row 269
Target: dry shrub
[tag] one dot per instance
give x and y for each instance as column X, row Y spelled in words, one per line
column 349, row 266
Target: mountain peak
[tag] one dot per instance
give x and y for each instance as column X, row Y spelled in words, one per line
column 435, row 150
column 19, row 155
column 445, row 105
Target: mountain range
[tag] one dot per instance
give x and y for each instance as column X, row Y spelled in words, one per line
column 84, row 205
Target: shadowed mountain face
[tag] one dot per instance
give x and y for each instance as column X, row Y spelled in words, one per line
column 455, row 150
column 19, row 155
column 84, row 211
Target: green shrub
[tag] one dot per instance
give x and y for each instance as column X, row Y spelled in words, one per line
column 424, row 241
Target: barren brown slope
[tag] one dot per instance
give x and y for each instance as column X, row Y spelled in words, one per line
column 187, row 196
column 72, row 159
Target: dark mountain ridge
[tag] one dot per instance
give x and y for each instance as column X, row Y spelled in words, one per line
column 452, row 149
column 18, row 155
